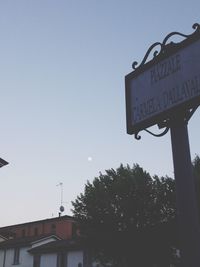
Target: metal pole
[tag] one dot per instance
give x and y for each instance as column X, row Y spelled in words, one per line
column 186, row 196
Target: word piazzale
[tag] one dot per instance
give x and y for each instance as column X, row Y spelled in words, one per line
column 165, row 68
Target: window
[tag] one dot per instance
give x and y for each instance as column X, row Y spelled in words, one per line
column 61, row 259
column 16, row 256
column 36, row 260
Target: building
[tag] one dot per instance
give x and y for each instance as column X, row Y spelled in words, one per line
column 49, row 251
column 46, row 243
column 15, row 251
column 63, row 253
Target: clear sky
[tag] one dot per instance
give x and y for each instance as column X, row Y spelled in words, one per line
column 62, row 105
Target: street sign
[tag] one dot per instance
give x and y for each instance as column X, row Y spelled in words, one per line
column 167, row 84
column 166, row 91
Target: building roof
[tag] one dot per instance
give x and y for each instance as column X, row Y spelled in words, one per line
column 3, row 237
column 60, row 245
column 65, row 217
column 25, row 241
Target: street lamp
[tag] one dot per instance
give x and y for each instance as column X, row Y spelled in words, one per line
column 3, row 162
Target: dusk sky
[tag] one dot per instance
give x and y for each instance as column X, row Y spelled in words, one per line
column 62, row 105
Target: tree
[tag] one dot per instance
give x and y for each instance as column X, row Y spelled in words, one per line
column 196, row 166
column 129, row 216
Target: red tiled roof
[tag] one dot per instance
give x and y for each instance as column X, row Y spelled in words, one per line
column 40, row 221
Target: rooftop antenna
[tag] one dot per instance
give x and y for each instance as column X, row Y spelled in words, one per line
column 61, row 202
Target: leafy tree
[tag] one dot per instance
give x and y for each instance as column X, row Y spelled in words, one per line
column 196, row 165
column 128, row 216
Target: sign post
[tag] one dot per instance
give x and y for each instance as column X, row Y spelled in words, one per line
column 166, row 91
column 185, row 194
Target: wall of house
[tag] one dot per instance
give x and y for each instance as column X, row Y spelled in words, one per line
column 9, row 257
column 25, row 259
column 64, row 229
column 1, row 257
column 74, row 258
column 48, row 260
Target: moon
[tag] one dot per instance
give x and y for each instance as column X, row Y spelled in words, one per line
column 89, row 159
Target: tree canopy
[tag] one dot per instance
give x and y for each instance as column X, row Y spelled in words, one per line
column 126, row 214
column 129, row 217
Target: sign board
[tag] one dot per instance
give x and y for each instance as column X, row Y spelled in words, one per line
column 167, row 84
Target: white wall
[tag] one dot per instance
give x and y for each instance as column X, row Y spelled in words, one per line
column 1, row 258
column 74, row 257
column 9, row 257
column 25, row 259
column 48, row 260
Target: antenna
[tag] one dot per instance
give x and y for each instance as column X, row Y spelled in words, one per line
column 61, row 202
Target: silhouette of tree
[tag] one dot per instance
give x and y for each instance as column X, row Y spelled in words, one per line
column 196, row 165
column 128, row 217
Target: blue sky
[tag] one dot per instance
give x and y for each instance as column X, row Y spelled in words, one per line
column 62, row 66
